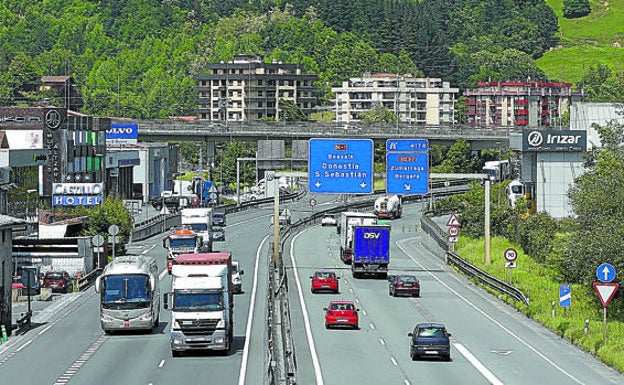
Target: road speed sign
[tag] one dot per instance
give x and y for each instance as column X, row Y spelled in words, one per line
column 511, row 254
column 453, row 231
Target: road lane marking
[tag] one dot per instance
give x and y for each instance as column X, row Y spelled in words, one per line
column 382, row 342
column 77, row 364
column 306, row 318
column 483, row 313
column 252, row 303
column 485, row 372
column 394, row 361
column 161, row 364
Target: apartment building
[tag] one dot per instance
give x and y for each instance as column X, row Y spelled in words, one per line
column 419, row 101
column 524, row 104
column 246, row 88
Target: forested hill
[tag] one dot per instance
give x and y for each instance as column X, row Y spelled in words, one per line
column 137, row 57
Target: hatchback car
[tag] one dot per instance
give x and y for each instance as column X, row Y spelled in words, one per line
column 430, row 340
column 58, row 281
column 324, row 280
column 341, row 313
column 403, row 285
column 218, row 218
column 218, row 234
column 328, row 220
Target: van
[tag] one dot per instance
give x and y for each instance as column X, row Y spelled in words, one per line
column 237, row 283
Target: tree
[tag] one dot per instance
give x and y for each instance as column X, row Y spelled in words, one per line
column 378, row 114
column 573, row 9
column 597, row 198
column 110, row 212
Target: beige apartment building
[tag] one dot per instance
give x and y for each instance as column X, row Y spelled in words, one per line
column 418, row 101
column 246, row 88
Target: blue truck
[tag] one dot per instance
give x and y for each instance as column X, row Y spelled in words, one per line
column 371, row 251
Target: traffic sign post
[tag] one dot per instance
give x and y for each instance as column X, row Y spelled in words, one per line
column 341, row 166
column 605, row 291
column 565, row 297
column 407, row 166
column 510, row 255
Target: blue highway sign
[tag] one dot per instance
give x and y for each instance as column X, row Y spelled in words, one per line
column 341, row 166
column 605, row 272
column 565, row 295
column 407, row 166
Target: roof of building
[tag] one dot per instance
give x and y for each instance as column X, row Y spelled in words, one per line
column 7, row 222
column 54, row 79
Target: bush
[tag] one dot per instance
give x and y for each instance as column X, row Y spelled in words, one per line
column 573, row 9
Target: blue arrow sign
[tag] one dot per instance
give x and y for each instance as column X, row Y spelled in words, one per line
column 407, row 166
column 341, row 166
column 605, row 272
column 565, row 295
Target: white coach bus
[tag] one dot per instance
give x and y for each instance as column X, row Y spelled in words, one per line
column 129, row 294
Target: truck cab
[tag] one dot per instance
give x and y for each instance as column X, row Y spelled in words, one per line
column 183, row 241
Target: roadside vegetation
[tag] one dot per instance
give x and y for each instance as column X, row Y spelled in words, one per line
column 585, row 42
column 567, row 251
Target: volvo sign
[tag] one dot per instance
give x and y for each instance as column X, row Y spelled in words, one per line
column 550, row 140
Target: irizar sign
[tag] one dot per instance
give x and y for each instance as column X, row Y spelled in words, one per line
column 560, row 140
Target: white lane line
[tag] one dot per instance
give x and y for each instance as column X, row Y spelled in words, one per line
column 243, row 369
column 306, row 318
column 161, row 364
column 483, row 313
column 394, row 361
column 148, row 250
column 485, row 372
column 23, row 346
column 45, row 330
column 371, row 325
column 382, row 342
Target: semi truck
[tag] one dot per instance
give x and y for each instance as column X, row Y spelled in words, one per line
column 349, row 219
column 183, row 241
column 200, row 221
column 388, row 206
column 201, row 302
column 371, row 250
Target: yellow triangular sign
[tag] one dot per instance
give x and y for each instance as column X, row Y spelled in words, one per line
column 453, row 221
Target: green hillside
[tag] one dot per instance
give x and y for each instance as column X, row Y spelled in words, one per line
column 585, row 42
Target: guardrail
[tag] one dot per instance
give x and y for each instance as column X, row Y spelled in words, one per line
column 84, row 282
column 465, row 267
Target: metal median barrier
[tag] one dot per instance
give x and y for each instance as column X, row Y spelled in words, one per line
column 441, row 237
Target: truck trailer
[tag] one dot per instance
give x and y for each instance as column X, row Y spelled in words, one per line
column 199, row 220
column 371, row 250
column 201, row 302
column 349, row 219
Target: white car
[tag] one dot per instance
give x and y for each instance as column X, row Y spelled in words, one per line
column 328, row 220
column 237, row 283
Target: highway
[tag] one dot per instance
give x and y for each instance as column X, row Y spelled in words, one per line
column 492, row 343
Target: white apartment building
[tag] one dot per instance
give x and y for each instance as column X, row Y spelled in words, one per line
column 418, row 101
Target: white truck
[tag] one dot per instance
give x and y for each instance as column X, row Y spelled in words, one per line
column 349, row 219
column 200, row 221
column 201, row 302
column 182, row 241
column 388, row 206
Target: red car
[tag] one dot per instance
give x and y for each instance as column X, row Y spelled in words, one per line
column 404, row 284
column 341, row 313
column 324, row 280
column 58, row 281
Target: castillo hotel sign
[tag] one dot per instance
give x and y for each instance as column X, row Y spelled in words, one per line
column 77, row 194
column 550, row 140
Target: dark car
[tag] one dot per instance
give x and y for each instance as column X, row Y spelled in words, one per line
column 430, row 340
column 218, row 234
column 58, row 281
column 403, row 284
column 218, row 218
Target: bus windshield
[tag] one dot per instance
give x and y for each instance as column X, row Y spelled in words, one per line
column 125, row 291
column 197, row 301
